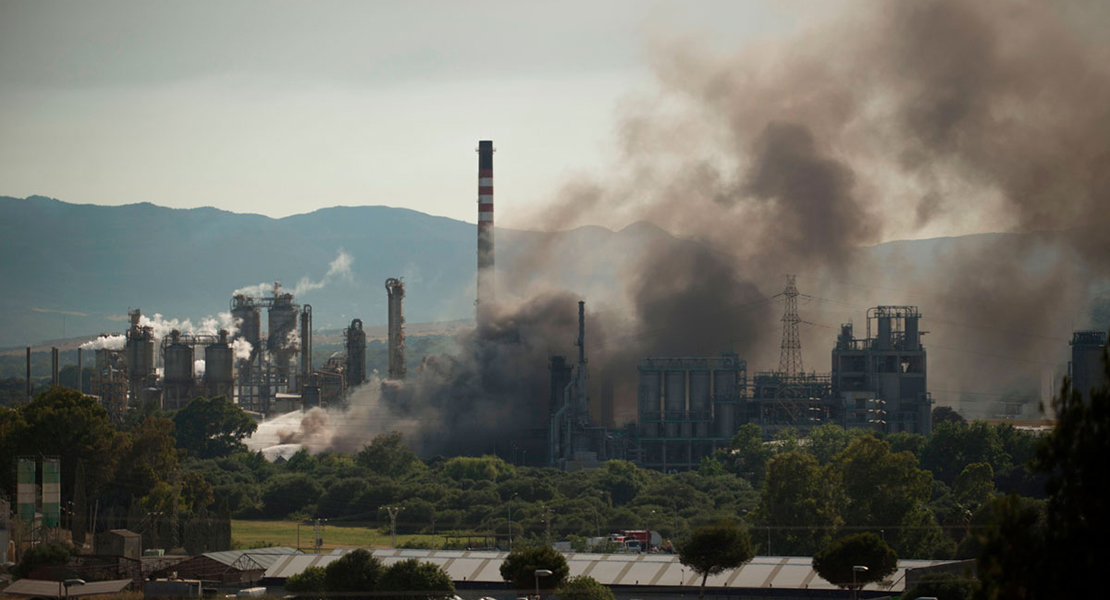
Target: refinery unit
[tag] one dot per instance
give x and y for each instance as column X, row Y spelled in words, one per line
column 265, row 373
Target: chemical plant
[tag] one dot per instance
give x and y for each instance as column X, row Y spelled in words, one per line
column 687, row 407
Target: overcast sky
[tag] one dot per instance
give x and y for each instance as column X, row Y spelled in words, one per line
column 282, row 108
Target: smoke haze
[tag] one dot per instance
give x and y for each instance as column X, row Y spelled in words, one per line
column 906, row 119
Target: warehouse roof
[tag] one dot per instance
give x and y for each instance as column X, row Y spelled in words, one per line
column 55, row 589
column 791, row 572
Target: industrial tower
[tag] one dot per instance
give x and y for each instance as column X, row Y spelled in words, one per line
column 395, row 290
column 485, row 225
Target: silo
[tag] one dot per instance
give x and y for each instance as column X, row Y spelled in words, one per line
column 701, row 409
column 674, row 402
column 1086, row 361
column 178, row 375
column 248, row 318
column 882, row 340
column 218, row 360
column 649, row 401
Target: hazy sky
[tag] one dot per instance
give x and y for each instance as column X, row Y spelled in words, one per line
column 282, row 108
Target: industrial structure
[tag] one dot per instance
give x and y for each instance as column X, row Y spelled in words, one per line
column 263, row 372
column 395, row 290
column 574, row 440
column 688, row 407
column 485, row 225
column 1086, row 367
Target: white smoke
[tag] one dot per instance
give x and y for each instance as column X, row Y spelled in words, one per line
column 198, row 367
column 242, row 349
column 254, row 291
column 340, row 268
column 343, row 429
column 293, row 339
column 109, row 342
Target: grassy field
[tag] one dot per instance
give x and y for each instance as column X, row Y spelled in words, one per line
column 253, row 534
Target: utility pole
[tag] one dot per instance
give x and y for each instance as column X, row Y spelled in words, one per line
column 393, row 511
column 318, row 535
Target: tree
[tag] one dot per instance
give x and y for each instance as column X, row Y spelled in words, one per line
column 487, row 468
column 953, row 446
column 212, row 428
column 942, row 586
column 309, row 580
column 584, row 587
column 714, row 549
column 412, row 575
column 797, row 504
column 289, row 493
column 72, row 426
column 149, row 458
column 387, row 455
column 49, row 554
column 881, row 486
column 834, row 562
column 1063, row 553
column 828, row 440
column 196, row 492
column 357, row 571
column 520, row 567
column 749, row 452
column 623, row 480
column 974, row 485
column 946, row 414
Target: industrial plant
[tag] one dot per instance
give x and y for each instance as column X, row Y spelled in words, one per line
column 687, row 407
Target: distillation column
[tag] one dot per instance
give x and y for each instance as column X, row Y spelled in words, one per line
column 395, row 289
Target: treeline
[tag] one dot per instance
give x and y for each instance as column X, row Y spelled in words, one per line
column 795, row 492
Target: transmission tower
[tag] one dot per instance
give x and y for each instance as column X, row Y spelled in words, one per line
column 790, row 361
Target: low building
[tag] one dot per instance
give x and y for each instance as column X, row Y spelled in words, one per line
column 231, row 567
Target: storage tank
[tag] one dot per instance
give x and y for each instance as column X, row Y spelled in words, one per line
column 1086, row 367
column 248, row 318
column 882, row 340
column 701, row 408
column 649, row 400
column 674, row 402
column 218, row 375
column 179, row 360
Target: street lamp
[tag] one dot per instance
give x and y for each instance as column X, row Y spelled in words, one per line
column 856, row 569
column 540, row 573
column 72, row 582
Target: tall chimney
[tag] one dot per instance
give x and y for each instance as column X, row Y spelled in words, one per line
column 395, row 290
column 54, row 366
column 28, row 372
column 80, row 372
column 485, row 224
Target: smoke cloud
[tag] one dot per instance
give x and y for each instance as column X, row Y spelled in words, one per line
column 895, row 120
column 108, row 342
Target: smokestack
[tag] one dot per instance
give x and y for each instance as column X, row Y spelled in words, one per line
column 80, row 372
column 485, row 223
column 395, row 289
column 28, row 373
column 54, row 366
column 306, row 345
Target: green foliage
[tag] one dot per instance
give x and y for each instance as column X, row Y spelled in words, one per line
column 412, row 575
column 749, row 454
column 485, row 468
column 1061, row 553
column 311, row 579
column 583, row 587
column 881, row 487
column 828, row 440
column 974, row 485
column 914, row 443
column 288, row 493
column 953, row 446
column 711, row 467
column 946, row 414
column 148, row 457
column 388, row 456
column 41, row 555
column 715, row 548
column 75, row 428
column 797, row 504
column 942, row 586
column 356, row 571
column 623, row 480
column 834, row 562
column 921, row 536
column 212, row 428
column 340, row 495
column 520, row 567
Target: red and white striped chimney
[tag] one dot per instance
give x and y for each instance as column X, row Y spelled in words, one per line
column 485, row 223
